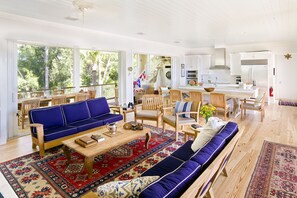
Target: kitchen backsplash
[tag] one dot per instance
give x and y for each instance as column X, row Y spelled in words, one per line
column 218, row 76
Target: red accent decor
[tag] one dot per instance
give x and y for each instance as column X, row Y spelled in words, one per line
column 271, row 91
column 275, row 174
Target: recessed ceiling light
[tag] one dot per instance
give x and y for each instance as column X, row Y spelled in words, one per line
column 140, row 33
column 177, row 42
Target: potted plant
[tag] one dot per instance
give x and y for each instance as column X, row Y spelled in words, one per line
column 207, row 111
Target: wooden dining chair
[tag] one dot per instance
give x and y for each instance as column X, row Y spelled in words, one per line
column 81, row 97
column 92, row 94
column 26, row 106
column 175, row 95
column 196, row 96
column 57, row 100
column 257, row 104
column 58, row 92
column 36, row 94
column 218, row 100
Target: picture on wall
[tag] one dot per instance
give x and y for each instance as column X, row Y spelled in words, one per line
column 183, row 72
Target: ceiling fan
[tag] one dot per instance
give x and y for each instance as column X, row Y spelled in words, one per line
column 78, row 10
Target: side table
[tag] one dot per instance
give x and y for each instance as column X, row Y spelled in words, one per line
column 190, row 132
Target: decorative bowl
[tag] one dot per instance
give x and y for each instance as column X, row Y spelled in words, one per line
column 209, row 89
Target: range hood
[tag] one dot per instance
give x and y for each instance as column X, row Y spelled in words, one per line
column 220, row 60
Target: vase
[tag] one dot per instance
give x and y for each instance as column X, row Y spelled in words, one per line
column 206, row 119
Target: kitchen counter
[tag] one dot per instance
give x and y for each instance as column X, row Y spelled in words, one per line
column 232, row 91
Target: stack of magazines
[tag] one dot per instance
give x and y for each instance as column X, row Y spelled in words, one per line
column 98, row 138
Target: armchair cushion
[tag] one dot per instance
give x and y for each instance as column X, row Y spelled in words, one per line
column 170, row 119
column 146, row 113
column 183, row 107
column 57, row 132
column 76, row 112
column 98, row 107
column 251, row 106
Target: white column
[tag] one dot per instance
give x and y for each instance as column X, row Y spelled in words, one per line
column 76, row 69
column 3, row 89
column 125, row 77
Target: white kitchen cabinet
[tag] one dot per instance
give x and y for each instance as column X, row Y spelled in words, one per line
column 255, row 55
column 204, row 64
column 192, row 62
column 235, row 64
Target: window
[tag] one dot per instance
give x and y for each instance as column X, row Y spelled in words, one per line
column 44, row 67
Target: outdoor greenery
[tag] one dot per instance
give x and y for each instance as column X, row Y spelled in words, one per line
column 98, row 67
column 43, row 67
column 34, row 61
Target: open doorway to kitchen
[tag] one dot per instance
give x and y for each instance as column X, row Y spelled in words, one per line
column 151, row 73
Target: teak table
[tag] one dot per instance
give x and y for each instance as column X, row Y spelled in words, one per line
column 111, row 141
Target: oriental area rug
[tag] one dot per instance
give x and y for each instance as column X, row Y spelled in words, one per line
column 50, row 176
column 275, row 174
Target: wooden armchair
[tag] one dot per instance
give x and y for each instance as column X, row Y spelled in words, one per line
column 176, row 120
column 57, row 100
column 218, row 100
column 175, row 95
column 257, row 104
column 150, row 109
column 81, row 97
column 59, row 91
column 37, row 94
column 26, row 106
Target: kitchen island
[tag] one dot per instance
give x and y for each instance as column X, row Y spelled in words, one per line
column 233, row 92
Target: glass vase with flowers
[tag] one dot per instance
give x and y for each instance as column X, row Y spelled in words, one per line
column 207, row 111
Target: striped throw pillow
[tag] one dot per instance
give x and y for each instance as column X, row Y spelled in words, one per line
column 183, row 107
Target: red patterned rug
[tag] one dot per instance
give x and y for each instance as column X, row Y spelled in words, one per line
column 31, row 176
column 275, row 174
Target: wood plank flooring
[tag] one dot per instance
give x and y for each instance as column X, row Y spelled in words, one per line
column 279, row 125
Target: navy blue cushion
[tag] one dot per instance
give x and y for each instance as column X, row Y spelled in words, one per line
column 57, row 132
column 49, row 117
column 207, row 154
column 77, row 111
column 163, row 167
column 110, row 118
column 184, row 152
column 175, row 183
column 228, row 131
column 98, row 106
column 86, row 124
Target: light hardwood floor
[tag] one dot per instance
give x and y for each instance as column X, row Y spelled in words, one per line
column 279, row 125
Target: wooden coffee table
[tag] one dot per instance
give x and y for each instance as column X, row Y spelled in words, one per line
column 122, row 137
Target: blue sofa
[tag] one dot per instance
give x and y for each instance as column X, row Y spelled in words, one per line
column 181, row 169
column 51, row 125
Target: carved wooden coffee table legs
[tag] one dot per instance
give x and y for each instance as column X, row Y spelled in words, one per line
column 67, row 153
column 89, row 166
column 148, row 138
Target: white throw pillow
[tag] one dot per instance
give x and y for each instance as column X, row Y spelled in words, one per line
column 208, row 131
column 126, row 188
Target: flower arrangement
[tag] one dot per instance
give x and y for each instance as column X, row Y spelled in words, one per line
column 207, row 111
column 192, row 82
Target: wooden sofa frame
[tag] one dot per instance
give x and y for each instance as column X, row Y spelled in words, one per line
column 202, row 186
column 39, row 141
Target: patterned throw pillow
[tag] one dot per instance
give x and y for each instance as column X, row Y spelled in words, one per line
column 183, row 107
column 126, row 188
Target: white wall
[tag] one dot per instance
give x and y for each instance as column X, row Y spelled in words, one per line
column 277, row 49
column 18, row 28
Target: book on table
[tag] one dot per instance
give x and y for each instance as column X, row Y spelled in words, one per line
column 98, row 138
column 86, row 139
column 83, row 144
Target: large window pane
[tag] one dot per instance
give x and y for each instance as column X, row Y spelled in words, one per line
column 43, row 67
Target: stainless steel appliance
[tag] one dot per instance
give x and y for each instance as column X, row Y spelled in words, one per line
column 192, row 76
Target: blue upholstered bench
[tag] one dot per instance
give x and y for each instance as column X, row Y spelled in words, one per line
column 51, row 125
column 182, row 172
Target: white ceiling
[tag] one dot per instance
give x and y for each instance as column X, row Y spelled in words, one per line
column 193, row 23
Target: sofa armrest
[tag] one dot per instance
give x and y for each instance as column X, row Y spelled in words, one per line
column 39, row 132
column 117, row 108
